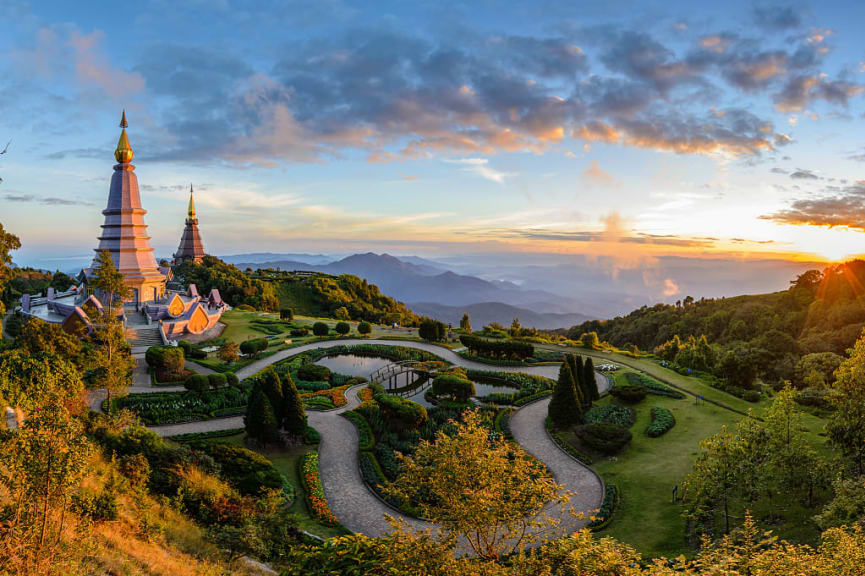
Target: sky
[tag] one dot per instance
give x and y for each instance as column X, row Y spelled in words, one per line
column 623, row 130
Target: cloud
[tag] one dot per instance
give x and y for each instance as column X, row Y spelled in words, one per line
column 480, row 166
column 800, row 91
column 595, row 175
column 844, row 206
column 801, row 174
column 776, row 17
column 92, row 68
column 670, row 287
column 596, row 131
column 45, row 200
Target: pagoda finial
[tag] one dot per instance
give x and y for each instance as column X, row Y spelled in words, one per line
column 191, row 211
column 123, row 153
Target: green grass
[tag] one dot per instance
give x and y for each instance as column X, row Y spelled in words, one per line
column 286, row 461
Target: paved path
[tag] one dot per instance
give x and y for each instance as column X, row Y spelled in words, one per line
column 357, row 508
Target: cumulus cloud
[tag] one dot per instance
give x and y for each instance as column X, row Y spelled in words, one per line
column 800, row 91
column 670, row 287
column 777, row 17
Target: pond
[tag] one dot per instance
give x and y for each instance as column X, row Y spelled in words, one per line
column 406, row 385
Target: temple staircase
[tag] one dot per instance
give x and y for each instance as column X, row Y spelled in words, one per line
column 141, row 335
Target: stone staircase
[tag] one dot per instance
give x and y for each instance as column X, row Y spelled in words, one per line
column 141, row 334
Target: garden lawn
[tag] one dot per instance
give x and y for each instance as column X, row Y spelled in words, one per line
column 648, row 468
column 286, row 461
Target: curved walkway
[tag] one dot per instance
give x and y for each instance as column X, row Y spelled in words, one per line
column 357, row 508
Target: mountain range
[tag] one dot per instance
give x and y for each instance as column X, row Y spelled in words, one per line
column 431, row 289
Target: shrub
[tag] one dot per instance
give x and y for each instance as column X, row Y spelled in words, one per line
column 231, row 379
column 320, row 329
column 459, row 389
column 662, row 421
column 652, row 386
column 629, row 394
column 253, row 346
column 246, row 308
column 605, row 438
column 311, row 435
column 313, row 373
column 497, row 348
column 367, row 440
column 185, row 345
column 217, row 380
column 197, row 354
column 364, row 328
column 286, row 314
column 298, row 332
column 248, row 471
column 402, row 414
column 341, row 313
column 342, row 328
column 617, row 414
column 813, row 397
column 197, row 383
column 608, row 508
column 167, row 361
column 751, row 396
column 432, row 330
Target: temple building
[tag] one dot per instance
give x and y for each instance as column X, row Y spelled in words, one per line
column 124, row 233
column 159, row 315
column 190, row 247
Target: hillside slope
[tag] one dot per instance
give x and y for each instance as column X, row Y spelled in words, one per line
column 484, row 313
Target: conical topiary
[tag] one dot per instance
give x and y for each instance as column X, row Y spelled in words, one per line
column 565, row 407
column 589, row 381
column 271, row 385
column 294, row 416
column 260, row 420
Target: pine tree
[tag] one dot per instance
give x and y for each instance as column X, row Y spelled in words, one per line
column 589, row 382
column 260, row 420
column 576, row 363
column 271, row 385
column 564, row 407
column 109, row 281
column 294, row 416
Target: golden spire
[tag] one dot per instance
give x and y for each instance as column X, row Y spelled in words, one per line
column 191, row 211
column 123, row 154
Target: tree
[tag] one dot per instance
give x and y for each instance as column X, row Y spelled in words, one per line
column 466, row 323
column 8, row 243
column 320, row 329
column 714, row 480
column 846, row 425
column 44, row 463
column 229, row 352
column 109, row 281
column 479, row 488
column 590, row 384
column 515, row 328
column 270, row 383
column 576, row 364
column 260, row 420
column 49, row 338
column 791, row 456
column 286, row 314
column 341, row 313
column 342, row 328
column 364, row 328
column 110, row 357
column 590, row 340
column 565, row 408
column 294, row 416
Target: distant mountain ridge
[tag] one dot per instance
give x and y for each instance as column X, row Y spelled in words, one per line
column 415, row 279
column 483, row 313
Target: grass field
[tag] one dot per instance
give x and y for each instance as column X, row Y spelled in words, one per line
column 286, row 461
column 647, row 470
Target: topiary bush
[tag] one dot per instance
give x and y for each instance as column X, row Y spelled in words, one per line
column 253, row 346
column 662, row 421
column 364, row 328
column 629, row 394
column 231, row 379
column 286, row 314
column 217, row 380
column 197, row 383
column 313, row 373
column 320, row 329
column 603, row 437
column 459, row 389
column 166, row 361
column 400, row 413
column 342, row 328
column 298, row 332
column 617, row 414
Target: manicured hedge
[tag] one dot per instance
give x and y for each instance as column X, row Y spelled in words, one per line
column 623, row 416
column 217, row 380
column 629, row 394
column 498, row 348
column 608, row 508
column 566, row 446
column 367, row 440
column 605, row 438
column 502, row 423
column 197, row 383
column 453, row 385
column 166, row 361
column 298, row 332
column 402, row 414
column 254, row 346
column 313, row 372
column 527, row 399
column 197, row 436
column 652, row 386
column 662, row 421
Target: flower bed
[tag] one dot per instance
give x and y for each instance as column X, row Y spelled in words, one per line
column 608, row 508
column 174, row 407
column 617, row 414
column 315, row 498
column 662, row 421
column 335, row 395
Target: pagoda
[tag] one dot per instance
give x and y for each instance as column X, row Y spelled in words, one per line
column 124, row 233
column 190, row 247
